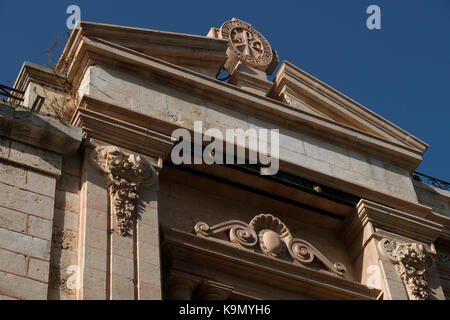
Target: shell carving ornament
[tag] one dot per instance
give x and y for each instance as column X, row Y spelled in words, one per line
column 125, row 173
column 270, row 236
column 246, row 43
column 412, row 262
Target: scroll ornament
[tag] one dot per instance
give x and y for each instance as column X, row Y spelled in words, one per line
column 270, row 236
column 412, row 262
column 125, row 173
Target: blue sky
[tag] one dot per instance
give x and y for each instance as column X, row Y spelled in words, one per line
column 401, row 72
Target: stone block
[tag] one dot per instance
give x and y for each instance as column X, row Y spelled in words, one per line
column 96, row 219
column 72, row 165
column 23, row 288
column 150, row 274
column 40, row 183
column 149, row 253
column 39, row 227
column 12, row 262
column 66, row 220
column 96, row 238
column 69, row 183
column 12, row 174
column 62, row 258
column 38, row 269
column 35, row 158
column 25, row 244
column 67, row 201
column 95, row 259
column 122, row 266
column 64, row 238
column 13, row 220
column 94, row 280
column 26, row 201
column 122, row 288
column 122, row 246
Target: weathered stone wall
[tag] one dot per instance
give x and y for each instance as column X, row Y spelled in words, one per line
column 63, row 263
column 168, row 104
column 186, row 199
column 27, row 198
column 29, row 173
column 434, row 197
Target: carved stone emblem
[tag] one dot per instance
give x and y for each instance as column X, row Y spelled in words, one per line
column 412, row 262
column 246, row 43
column 273, row 239
column 124, row 173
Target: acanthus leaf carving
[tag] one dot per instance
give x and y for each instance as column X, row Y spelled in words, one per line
column 125, row 173
column 273, row 239
column 412, row 262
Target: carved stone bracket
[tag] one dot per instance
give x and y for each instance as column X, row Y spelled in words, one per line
column 412, row 261
column 124, row 173
column 273, row 239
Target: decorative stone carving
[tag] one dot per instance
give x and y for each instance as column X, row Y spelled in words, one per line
column 124, row 173
column 273, row 235
column 412, row 262
column 274, row 239
column 246, row 44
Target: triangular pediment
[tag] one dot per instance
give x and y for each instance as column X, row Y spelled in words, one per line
column 202, row 54
column 302, row 91
column 307, row 104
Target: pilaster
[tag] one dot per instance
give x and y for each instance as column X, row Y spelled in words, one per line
column 119, row 237
column 394, row 251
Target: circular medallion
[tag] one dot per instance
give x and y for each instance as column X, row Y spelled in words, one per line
column 246, row 43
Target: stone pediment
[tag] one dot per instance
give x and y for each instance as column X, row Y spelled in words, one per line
column 203, row 54
column 191, row 63
column 304, row 92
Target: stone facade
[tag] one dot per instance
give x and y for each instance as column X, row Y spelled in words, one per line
column 92, row 207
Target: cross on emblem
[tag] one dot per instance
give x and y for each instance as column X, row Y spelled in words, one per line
column 245, row 45
column 244, row 41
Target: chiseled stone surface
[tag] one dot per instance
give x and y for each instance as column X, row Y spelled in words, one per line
column 150, row 98
column 22, row 288
column 40, row 159
column 26, row 201
column 434, row 197
column 25, row 244
column 67, row 212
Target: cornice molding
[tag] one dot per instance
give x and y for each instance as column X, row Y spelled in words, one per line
column 396, row 222
column 112, row 130
column 97, row 51
column 294, row 277
column 292, row 77
column 31, row 72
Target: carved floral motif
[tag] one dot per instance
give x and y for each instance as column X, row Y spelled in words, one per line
column 125, row 173
column 274, row 239
column 411, row 262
